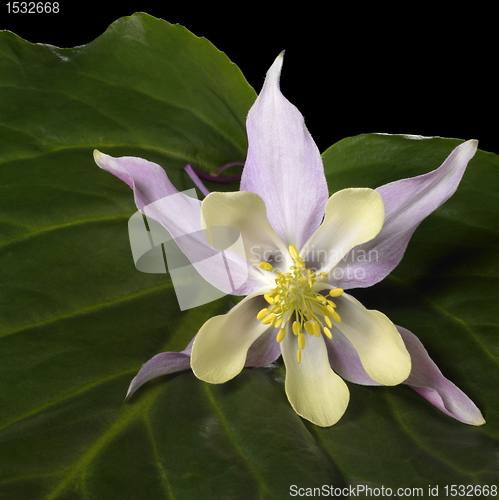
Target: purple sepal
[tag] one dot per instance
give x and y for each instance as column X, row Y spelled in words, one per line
column 425, row 378
column 407, row 203
column 263, row 352
column 163, row 363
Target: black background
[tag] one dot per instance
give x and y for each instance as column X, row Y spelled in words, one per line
column 416, row 69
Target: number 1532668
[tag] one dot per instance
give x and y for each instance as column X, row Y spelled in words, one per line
column 33, row 7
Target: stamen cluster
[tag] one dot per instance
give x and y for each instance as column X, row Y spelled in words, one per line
column 293, row 294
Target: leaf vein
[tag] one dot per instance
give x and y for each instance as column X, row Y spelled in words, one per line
column 92, row 308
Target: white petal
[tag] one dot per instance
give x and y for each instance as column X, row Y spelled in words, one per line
column 381, row 349
column 313, row 389
column 245, row 212
column 353, row 216
column 220, row 348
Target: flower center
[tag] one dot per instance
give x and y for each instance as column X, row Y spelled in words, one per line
column 294, row 294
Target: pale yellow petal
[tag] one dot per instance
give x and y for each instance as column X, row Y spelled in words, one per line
column 221, row 345
column 246, row 212
column 353, row 216
column 313, row 389
column 381, row 349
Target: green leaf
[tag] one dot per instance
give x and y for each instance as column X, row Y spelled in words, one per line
column 77, row 319
column 445, row 291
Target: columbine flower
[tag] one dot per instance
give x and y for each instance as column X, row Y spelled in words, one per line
column 301, row 252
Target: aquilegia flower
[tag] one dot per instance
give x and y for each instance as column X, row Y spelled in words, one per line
column 301, row 251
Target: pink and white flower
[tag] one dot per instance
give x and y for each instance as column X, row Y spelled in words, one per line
column 299, row 244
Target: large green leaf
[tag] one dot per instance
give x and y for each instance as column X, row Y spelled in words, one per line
column 445, row 291
column 77, row 319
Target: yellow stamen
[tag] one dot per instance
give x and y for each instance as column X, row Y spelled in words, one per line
column 296, row 328
column 281, row 334
column 330, row 309
column 266, row 266
column 317, row 328
column 294, row 299
column 293, row 252
column 308, row 328
column 270, row 319
column 262, row 314
column 301, row 341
